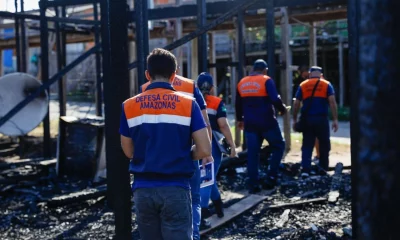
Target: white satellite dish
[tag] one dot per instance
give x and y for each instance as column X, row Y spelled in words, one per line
column 14, row 88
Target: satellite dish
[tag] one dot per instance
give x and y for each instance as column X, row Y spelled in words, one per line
column 14, row 88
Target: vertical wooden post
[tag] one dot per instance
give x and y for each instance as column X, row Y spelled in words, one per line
column 213, row 59
column 341, row 73
column 313, row 44
column 378, row 126
column 194, row 60
column 133, row 81
column 286, row 74
column 1, row 61
column 178, row 33
column 189, row 57
column 232, row 85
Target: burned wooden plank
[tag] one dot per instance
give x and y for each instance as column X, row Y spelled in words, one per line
column 19, row 162
column 233, row 211
column 283, row 219
column 333, row 195
column 7, row 152
column 78, row 196
column 298, row 203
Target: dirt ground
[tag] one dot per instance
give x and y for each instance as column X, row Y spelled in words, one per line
column 339, row 153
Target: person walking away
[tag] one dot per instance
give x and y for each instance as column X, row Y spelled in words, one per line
column 256, row 101
column 217, row 114
column 188, row 87
column 316, row 94
column 302, row 74
column 162, row 167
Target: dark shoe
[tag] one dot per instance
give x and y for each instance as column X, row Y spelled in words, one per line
column 205, row 213
column 204, row 224
column 269, row 183
column 219, row 207
column 305, row 174
column 254, row 189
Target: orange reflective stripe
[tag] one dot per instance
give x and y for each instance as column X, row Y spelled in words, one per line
column 253, row 86
column 307, row 87
column 213, row 102
column 156, row 102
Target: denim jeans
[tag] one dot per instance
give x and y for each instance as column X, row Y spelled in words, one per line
column 316, row 129
column 195, row 192
column 212, row 191
column 163, row 213
column 254, row 141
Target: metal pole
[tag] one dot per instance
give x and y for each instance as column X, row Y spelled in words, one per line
column 241, row 58
column 116, row 90
column 271, row 38
column 17, row 39
column 202, row 39
column 341, row 73
column 99, row 102
column 44, row 46
column 353, row 19
column 60, row 65
column 24, row 67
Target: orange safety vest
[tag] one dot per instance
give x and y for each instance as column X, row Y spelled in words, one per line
column 253, row 86
column 307, row 87
column 180, row 84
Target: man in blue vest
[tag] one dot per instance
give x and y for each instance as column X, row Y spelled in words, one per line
column 157, row 129
column 256, row 101
column 188, row 87
column 317, row 94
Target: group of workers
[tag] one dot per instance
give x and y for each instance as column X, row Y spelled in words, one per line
column 174, row 125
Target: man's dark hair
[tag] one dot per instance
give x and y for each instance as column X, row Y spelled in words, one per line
column 161, row 63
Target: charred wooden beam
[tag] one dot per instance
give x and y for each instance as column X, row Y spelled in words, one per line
column 77, row 196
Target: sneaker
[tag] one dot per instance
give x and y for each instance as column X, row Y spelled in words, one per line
column 204, row 224
column 304, row 174
column 315, row 160
column 254, row 189
column 269, row 183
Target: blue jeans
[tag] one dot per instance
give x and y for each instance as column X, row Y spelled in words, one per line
column 163, row 213
column 277, row 146
column 316, row 129
column 212, row 191
column 195, row 191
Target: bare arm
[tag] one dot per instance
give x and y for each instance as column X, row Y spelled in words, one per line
column 333, row 106
column 127, row 146
column 296, row 108
column 202, row 147
column 226, row 131
column 205, row 116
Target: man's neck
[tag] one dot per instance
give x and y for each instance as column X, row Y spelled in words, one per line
column 165, row 80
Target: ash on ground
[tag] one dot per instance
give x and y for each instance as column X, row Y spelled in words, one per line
column 24, row 213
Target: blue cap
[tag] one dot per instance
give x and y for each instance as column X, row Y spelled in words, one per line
column 315, row 69
column 204, row 81
column 260, row 64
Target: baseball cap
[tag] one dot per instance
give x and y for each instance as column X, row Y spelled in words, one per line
column 204, row 81
column 315, row 69
column 260, row 64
